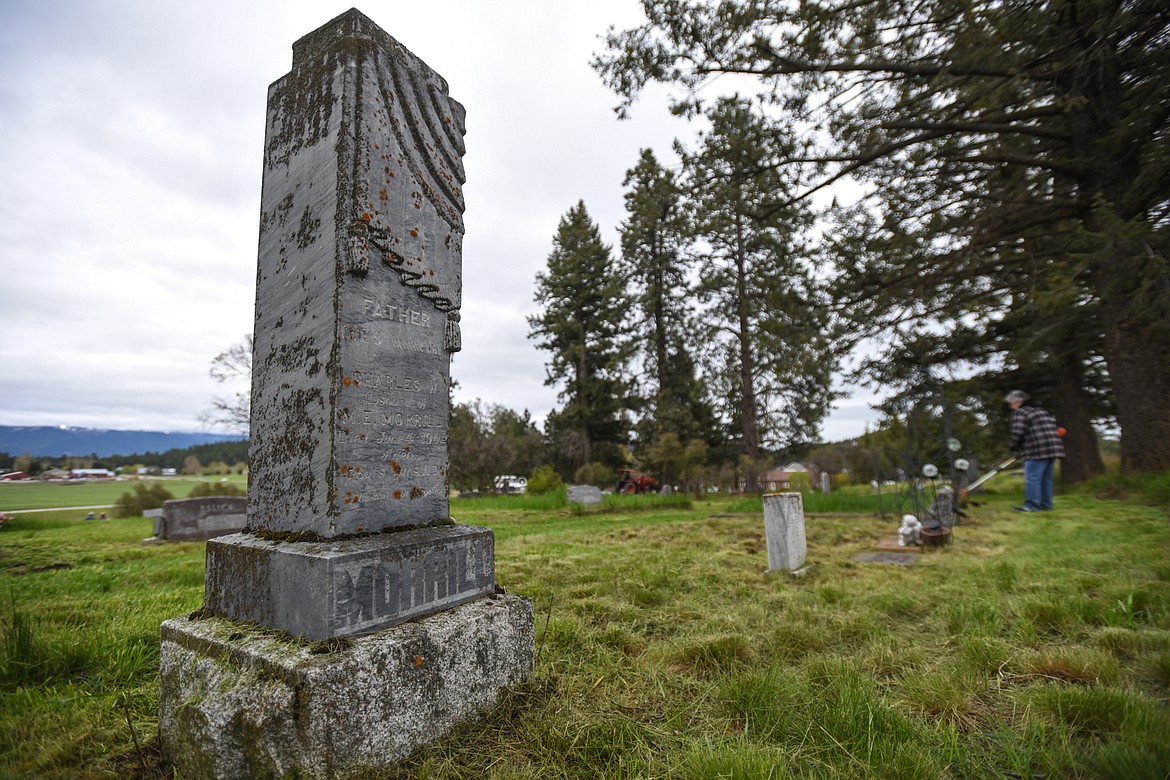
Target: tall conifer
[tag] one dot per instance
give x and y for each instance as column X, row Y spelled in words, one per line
column 763, row 306
column 582, row 324
column 655, row 238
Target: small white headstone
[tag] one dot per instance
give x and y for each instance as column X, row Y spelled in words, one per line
column 784, row 529
column 584, row 494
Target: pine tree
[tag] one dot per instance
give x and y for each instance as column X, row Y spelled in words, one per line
column 984, row 123
column 582, row 325
column 1016, row 319
column 763, row 307
column 655, row 237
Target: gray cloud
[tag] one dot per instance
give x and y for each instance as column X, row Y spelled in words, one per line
column 130, row 140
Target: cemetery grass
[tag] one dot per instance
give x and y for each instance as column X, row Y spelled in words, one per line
column 16, row 496
column 1036, row 646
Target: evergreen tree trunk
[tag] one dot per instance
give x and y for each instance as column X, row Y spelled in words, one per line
column 1133, row 283
column 1139, row 371
column 751, row 420
column 1072, row 406
column 582, row 399
column 660, row 336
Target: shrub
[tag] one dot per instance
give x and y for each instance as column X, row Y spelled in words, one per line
column 133, row 504
column 216, row 489
column 544, row 479
column 799, row 480
column 596, row 474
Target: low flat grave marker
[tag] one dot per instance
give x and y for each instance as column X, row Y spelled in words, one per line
column 205, row 517
column 889, row 558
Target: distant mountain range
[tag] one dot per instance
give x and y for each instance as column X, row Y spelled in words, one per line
column 52, row 442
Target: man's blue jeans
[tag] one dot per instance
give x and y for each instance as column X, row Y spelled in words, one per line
column 1039, row 477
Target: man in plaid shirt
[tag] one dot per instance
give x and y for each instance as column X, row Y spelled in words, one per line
column 1035, row 437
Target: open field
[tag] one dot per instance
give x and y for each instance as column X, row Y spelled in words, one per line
column 1037, row 646
column 15, row 496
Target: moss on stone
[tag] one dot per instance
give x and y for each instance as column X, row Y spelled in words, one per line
column 312, row 536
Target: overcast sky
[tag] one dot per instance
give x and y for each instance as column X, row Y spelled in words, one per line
column 130, row 160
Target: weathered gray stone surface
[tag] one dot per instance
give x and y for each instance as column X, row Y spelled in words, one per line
column 584, row 494
column 941, row 512
column 973, row 474
column 238, row 702
column 201, row 518
column 358, row 288
column 784, row 529
column 889, row 558
column 341, row 587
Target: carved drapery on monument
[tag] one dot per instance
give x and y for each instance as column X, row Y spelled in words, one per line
column 359, row 287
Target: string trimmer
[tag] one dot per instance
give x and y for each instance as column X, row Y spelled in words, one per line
column 967, row 490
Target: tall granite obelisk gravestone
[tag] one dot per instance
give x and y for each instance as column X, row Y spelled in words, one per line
column 352, row 620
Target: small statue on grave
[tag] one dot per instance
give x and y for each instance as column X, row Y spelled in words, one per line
column 910, row 533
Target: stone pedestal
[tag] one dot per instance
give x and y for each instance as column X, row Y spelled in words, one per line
column 238, row 701
column 784, row 529
column 333, row 588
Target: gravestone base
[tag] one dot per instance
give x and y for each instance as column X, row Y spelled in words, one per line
column 237, row 700
column 341, row 587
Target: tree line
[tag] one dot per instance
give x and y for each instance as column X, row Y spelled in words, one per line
column 1015, row 178
column 231, row 455
column 1013, row 165
column 702, row 346
column 706, row 340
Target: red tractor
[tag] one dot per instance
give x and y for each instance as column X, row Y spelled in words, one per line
column 630, row 481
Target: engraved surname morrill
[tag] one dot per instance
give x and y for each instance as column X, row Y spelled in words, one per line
column 411, row 584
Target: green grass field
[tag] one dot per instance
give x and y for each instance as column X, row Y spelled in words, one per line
column 45, row 495
column 1036, row 646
